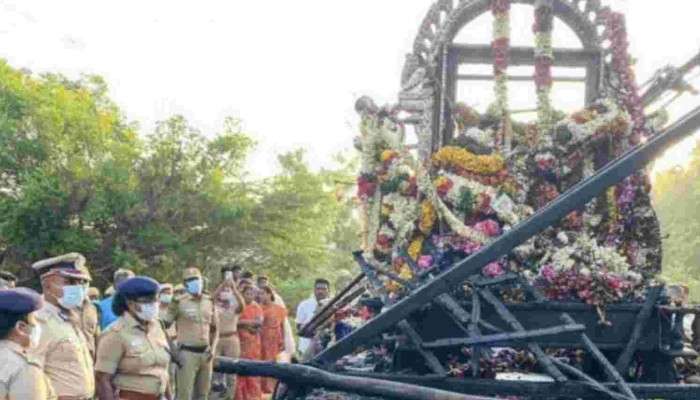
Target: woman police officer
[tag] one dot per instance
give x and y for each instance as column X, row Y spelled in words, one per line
column 133, row 355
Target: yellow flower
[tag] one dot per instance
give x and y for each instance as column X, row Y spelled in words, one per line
column 457, row 157
column 428, row 216
column 415, row 248
column 406, row 273
column 386, row 210
column 389, row 154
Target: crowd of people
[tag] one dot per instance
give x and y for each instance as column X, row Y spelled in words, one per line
column 143, row 340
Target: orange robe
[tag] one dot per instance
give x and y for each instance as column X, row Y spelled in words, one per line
column 248, row 387
column 272, row 337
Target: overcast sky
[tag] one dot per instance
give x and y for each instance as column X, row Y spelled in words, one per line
column 291, row 70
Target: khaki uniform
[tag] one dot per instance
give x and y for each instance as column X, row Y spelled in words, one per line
column 229, row 344
column 171, row 334
column 195, row 319
column 21, row 378
column 64, row 353
column 90, row 325
column 138, row 358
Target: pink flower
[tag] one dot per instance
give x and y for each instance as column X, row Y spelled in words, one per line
column 615, row 282
column 493, row 270
column 585, row 294
column 548, row 273
column 471, row 247
column 488, row 227
column 425, row 262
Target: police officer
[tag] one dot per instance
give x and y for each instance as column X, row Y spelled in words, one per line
column 133, row 354
column 89, row 320
column 63, row 349
column 93, row 294
column 165, row 297
column 8, row 280
column 107, row 317
column 196, row 322
column 20, row 376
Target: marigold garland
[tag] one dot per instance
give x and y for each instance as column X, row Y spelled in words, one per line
column 415, row 248
column 451, row 156
column 428, row 217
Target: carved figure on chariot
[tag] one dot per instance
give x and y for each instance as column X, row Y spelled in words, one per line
column 427, row 206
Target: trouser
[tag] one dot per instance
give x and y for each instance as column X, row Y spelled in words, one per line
column 229, row 346
column 194, row 375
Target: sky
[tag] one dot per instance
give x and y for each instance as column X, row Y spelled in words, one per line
column 290, row 70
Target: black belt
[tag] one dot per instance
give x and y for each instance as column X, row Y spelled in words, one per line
column 194, row 349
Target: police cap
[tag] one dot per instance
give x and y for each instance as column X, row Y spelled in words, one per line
column 19, row 301
column 139, row 286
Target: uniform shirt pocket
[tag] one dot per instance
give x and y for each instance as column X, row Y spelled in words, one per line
column 136, row 355
column 67, row 351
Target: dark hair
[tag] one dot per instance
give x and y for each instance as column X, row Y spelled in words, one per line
column 8, row 322
column 321, row 281
column 247, row 275
column 236, row 268
column 246, row 287
column 270, row 292
column 119, row 306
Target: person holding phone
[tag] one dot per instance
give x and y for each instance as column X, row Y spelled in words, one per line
column 229, row 304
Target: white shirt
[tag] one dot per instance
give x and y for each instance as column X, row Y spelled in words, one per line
column 305, row 311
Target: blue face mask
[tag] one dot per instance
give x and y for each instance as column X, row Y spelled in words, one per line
column 194, row 286
column 73, row 296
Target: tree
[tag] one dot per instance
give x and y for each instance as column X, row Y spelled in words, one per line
column 677, row 202
column 76, row 176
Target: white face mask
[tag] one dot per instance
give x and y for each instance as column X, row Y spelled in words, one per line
column 228, row 275
column 73, row 296
column 35, row 337
column 149, row 311
column 166, row 298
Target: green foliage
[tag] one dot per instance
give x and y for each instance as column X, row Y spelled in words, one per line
column 76, row 176
column 677, row 202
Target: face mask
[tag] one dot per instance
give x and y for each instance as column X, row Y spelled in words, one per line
column 149, row 312
column 228, row 275
column 35, row 336
column 194, row 286
column 73, row 296
column 166, row 298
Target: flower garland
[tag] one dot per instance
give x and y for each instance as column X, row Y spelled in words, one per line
column 427, row 188
column 604, row 118
column 415, row 248
column 403, row 211
column 500, row 47
column 463, row 160
column 616, row 32
column 588, row 271
column 544, row 55
column 428, row 217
